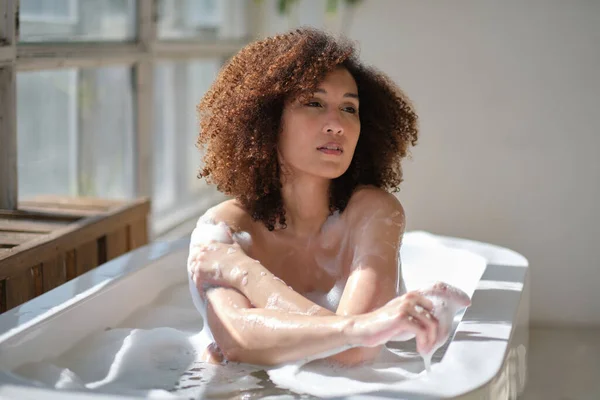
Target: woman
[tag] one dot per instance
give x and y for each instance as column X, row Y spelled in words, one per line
column 303, row 261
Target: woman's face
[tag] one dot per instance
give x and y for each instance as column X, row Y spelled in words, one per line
column 320, row 132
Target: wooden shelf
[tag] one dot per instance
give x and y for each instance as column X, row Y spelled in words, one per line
column 49, row 240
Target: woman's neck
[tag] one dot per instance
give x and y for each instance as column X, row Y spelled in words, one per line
column 306, row 204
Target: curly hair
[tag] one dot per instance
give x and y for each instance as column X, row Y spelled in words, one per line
column 240, row 121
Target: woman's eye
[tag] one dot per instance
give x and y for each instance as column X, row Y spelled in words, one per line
column 350, row 110
column 313, row 104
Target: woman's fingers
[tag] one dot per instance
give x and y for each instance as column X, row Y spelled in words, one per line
column 417, row 298
column 420, row 309
column 424, row 302
column 428, row 322
column 414, row 326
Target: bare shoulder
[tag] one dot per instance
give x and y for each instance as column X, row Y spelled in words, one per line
column 370, row 201
column 231, row 213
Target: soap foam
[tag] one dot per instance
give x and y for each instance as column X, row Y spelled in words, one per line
column 155, row 353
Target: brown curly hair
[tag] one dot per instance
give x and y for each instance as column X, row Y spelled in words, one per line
column 240, row 119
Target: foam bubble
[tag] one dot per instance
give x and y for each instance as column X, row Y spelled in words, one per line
column 204, row 233
column 243, row 239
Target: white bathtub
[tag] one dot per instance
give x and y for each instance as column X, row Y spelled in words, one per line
column 485, row 358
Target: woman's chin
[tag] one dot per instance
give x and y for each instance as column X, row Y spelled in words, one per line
column 330, row 175
column 331, row 171
column 323, row 171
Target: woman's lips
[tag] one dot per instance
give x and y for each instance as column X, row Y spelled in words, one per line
column 330, row 151
column 331, row 148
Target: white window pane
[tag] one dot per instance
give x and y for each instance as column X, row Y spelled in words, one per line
column 46, row 126
column 179, row 87
column 75, row 132
column 77, row 20
column 205, row 19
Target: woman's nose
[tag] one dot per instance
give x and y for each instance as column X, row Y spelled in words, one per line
column 333, row 126
column 334, row 131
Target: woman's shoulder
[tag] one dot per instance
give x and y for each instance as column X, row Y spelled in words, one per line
column 232, row 213
column 366, row 200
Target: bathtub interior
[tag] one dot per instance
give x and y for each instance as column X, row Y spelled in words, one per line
column 130, row 328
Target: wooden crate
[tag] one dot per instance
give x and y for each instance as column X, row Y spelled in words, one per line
column 52, row 239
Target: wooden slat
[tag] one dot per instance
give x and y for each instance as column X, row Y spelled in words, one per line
column 37, row 276
column 54, row 273
column 72, row 236
column 116, row 243
column 101, row 250
column 70, row 265
column 86, row 257
column 38, row 215
column 67, row 212
column 3, row 306
column 19, row 289
column 92, row 203
column 138, row 234
column 17, row 238
column 30, row 225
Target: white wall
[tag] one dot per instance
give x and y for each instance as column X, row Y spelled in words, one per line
column 508, row 93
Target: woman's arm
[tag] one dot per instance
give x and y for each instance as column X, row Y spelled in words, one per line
column 218, row 259
column 272, row 337
column 378, row 222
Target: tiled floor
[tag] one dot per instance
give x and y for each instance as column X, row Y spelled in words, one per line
column 564, row 364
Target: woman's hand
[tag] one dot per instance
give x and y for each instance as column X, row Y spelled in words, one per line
column 406, row 315
column 217, row 264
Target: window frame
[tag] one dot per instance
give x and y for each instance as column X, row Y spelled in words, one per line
column 141, row 55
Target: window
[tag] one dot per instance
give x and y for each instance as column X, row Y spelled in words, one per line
column 50, row 11
column 203, row 19
column 178, row 88
column 80, row 141
column 76, row 20
column 98, row 97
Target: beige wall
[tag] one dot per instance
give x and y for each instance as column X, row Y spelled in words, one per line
column 508, row 93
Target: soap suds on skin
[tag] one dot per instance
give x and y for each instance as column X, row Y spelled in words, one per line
column 243, row 239
column 272, row 301
column 217, row 270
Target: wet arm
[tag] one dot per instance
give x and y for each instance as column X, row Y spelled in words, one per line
column 374, row 272
column 264, row 291
column 271, row 337
column 244, row 273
